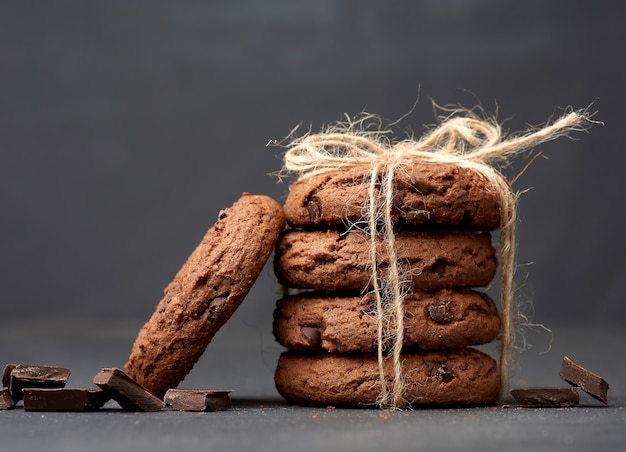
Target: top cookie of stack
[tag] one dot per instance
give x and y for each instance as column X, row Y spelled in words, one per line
column 425, row 195
column 442, row 215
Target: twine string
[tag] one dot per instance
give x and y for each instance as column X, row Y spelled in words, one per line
column 375, row 282
column 390, row 293
column 463, row 140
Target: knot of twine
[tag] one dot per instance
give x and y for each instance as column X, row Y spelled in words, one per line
column 467, row 141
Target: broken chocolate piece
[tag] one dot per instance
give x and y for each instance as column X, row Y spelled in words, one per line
column 6, row 401
column 398, row 198
column 198, row 399
column 126, row 391
column 64, row 399
column 19, row 376
column 6, row 375
column 591, row 383
column 545, row 397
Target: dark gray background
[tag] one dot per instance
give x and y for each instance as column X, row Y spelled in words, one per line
column 125, row 126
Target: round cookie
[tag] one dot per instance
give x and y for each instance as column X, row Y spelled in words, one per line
column 331, row 260
column 346, row 324
column 460, row 377
column 426, row 194
column 205, row 292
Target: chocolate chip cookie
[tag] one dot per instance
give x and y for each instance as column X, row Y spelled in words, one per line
column 332, row 260
column 447, row 318
column 461, row 377
column 205, row 292
column 426, row 194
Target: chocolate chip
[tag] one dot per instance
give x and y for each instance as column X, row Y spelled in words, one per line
column 440, row 311
column 417, row 216
column 398, row 198
column 313, row 336
column 315, row 211
column 215, row 307
column 442, row 373
column 439, row 267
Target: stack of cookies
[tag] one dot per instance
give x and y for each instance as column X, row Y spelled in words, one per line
column 442, row 216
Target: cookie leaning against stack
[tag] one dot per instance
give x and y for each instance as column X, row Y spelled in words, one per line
column 442, row 214
column 205, row 292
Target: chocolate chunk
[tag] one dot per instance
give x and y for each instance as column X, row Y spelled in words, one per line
column 416, row 216
column 6, row 400
column 19, row 376
column 398, row 198
column 6, row 375
column 591, row 383
column 126, row 391
column 313, row 336
column 215, row 306
column 546, row 397
column 439, row 267
column 315, row 211
column 440, row 311
column 198, row 399
column 64, row 399
column 442, row 373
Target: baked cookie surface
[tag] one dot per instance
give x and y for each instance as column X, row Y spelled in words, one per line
column 346, row 324
column 331, row 260
column 427, row 194
column 461, row 377
column 205, row 292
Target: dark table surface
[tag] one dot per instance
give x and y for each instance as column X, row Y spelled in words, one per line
column 242, row 358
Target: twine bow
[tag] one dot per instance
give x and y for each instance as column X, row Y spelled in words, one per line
column 463, row 140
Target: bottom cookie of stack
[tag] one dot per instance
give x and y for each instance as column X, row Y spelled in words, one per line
column 455, row 377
